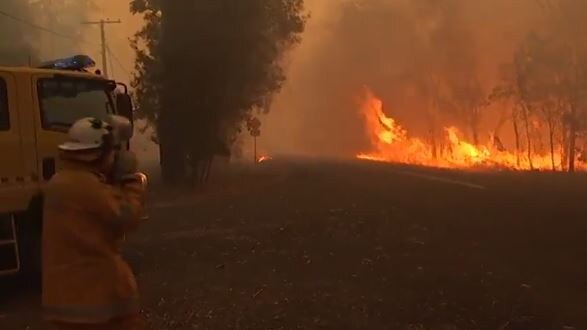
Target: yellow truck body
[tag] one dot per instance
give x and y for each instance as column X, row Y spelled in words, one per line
column 37, row 106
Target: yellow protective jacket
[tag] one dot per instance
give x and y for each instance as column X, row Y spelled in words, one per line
column 85, row 279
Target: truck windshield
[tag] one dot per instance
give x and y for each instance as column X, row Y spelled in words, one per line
column 64, row 101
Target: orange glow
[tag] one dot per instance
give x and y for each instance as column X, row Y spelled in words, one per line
column 263, row 159
column 391, row 143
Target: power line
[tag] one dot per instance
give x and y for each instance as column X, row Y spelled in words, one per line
column 38, row 27
column 113, row 74
column 102, row 23
column 46, row 30
column 117, row 60
column 65, row 36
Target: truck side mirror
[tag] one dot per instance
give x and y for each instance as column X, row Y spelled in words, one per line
column 124, row 106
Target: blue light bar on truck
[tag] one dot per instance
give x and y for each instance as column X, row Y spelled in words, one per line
column 74, row 63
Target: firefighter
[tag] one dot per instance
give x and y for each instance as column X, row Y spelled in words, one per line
column 90, row 205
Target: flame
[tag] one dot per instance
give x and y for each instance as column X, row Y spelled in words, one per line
column 391, row 143
column 263, row 159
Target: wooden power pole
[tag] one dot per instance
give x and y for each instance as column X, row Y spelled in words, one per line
column 102, row 24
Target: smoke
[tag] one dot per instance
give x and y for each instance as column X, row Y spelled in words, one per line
column 17, row 45
column 396, row 48
column 39, row 30
column 122, row 57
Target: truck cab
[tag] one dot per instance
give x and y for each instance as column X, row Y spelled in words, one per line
column 37, row 107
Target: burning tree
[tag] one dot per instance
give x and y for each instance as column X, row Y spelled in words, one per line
column 470, row 99
column 549, row 82
column 204, row 66
column 393, row 143
column 448, row 72
column 506, row 96
column 542, row 86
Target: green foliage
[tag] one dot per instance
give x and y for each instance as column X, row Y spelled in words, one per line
column 148, row 79
column 230, row 48
column 203, row 67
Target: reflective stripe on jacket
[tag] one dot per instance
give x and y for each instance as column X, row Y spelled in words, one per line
column 85, row 279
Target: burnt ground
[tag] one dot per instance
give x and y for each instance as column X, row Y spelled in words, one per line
column 349, row 245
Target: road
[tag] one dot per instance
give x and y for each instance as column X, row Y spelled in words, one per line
column 302, row 244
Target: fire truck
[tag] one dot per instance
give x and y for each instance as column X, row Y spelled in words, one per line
column 37, row 107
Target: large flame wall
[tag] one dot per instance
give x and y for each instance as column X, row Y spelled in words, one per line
column 392, row 143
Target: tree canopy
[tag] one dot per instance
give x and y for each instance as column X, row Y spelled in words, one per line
column 203, row 67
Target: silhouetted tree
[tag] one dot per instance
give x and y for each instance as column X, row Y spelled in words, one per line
column 566, row 48
column 548, row 80
column 202, row 68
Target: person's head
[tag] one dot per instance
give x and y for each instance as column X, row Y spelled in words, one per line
column 94, row 142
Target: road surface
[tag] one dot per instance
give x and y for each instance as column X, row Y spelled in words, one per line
column 301, row 244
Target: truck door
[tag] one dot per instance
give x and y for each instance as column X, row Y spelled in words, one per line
column 61, row 101
column 12, row 170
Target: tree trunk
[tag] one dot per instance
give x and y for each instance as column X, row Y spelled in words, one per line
column 474, row 128
column 172, row 164
column 572, row 145
column 476, row 138
column 564, row 146
column 433, row 109
column 436, row 152
column 517, row 136
column 475, row 134
column 172, row 155
column 551, row 141
column 528, row 137
column 432, row 132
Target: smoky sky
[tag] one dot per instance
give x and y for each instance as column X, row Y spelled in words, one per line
column 389, row 46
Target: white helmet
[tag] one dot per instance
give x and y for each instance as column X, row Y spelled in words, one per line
column 87, row 134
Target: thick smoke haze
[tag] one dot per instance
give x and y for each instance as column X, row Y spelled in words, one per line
column 39, row 30
column 118, row 36
column 393, row 47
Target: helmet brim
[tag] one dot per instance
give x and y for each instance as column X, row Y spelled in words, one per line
column 75, row 146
